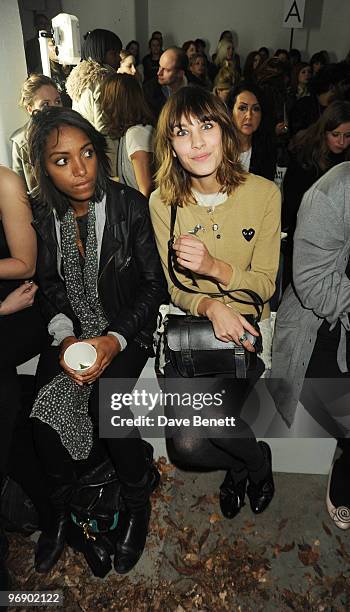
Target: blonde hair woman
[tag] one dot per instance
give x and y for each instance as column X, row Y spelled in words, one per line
column 38, row 91
column 223, row 84
column 226, row 56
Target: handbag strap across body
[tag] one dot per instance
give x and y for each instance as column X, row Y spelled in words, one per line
column 256, row 300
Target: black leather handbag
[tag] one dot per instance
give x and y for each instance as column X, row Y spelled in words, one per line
column 95, row 506
column 191, row 344
column 194, row 350
column 96, row 500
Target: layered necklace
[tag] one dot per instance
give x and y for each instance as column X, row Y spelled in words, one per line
column 210, row 201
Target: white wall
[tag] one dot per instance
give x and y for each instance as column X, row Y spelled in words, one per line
column 13, row 71
column 119, row 17
column 255, row 23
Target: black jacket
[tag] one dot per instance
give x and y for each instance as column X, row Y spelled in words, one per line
column 131, row 285
column 303, row 113
column 154, row 96
column 264, row 157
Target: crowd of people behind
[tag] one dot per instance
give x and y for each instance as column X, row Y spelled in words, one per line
column 111, row 146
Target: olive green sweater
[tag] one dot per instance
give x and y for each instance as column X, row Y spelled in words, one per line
column 244, row 231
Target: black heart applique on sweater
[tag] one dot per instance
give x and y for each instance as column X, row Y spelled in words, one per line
column 248, row 233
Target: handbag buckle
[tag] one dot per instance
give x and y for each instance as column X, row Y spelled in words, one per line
column 87, row 532
column 240, row 364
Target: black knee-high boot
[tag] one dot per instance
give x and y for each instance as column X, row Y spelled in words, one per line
column 59, row 468
column 133, row 524
column 134, row 518
column 51, row 541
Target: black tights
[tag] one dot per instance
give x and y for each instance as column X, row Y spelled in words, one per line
column 23, row 335
column 317, row 396
column 330, row 384
column 240, row 453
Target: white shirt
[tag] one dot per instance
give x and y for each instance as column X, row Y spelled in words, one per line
column 139, row 138
column 244, row 158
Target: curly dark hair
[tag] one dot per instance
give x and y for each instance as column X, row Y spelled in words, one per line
column 46, row 197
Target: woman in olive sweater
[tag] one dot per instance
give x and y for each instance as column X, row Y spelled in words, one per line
column 227, row 233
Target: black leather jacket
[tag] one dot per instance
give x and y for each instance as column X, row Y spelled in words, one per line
column 131, row 284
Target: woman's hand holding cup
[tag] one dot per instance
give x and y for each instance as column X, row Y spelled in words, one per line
column 105, row 349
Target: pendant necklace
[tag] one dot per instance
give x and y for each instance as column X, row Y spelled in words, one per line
column 210, row 201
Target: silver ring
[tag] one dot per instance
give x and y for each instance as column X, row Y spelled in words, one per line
column 243, row 338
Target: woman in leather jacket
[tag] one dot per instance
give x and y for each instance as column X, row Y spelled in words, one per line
column 101, row 282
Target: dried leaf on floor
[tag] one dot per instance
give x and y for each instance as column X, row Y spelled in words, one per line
column 214, row 518
column 307, row 554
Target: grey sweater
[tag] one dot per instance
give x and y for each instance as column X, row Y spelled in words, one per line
column 322, row 288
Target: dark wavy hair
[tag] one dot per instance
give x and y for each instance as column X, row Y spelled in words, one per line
column 249, row 69
column 46, row 197
column 272, row 71
column 263, row 138
column 294, row 78
column 319, row 58
column 172, row 179
column 187, row 45
column 310, row 146
column 98, row 43
column 264, row 130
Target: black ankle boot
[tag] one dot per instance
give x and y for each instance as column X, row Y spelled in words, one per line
column 232, row 496
column 52, row 539
column 133, row 529
column 260, row 494
column 133, row 524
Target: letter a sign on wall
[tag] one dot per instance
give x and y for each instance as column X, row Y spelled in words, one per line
column 293, row 16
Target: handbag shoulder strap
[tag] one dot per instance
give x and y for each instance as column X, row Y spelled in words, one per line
column 256, row 300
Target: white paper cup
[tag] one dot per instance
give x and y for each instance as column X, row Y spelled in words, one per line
column 80, row 356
